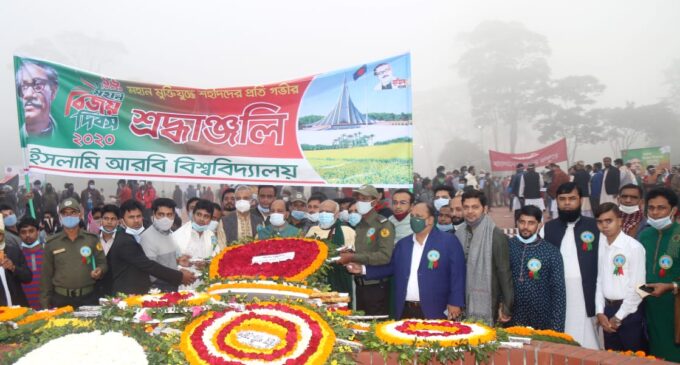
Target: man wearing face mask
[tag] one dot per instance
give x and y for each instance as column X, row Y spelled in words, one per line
column 194, row 238
column 442, row 196
column 489, row 293
column 90, row 198
column 577, row 237
column 33, row 249
column 68, row 274
column 444, row 220
column 157, row 241
column 402, row 200
column 244, row 223
column 662, row 245
column 353, row 217
column 537, row 276
column 331, row 228
column 428, row 268
column 265, row 196
column 10, row 221
column 373, row 246
column 298, row 212
column 630, row 199
column 131, row 268
column 277, row 225
column 313, row 207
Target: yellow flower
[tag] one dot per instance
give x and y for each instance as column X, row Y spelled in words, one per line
column 11, row 313
column 45, row 314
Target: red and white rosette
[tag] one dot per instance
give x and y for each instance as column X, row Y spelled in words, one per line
column 291, row 258
column 271, row 333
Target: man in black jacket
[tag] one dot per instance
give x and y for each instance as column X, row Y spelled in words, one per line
column 130, row 266
column 610, row 183
column 13, row 272
column 577, row 237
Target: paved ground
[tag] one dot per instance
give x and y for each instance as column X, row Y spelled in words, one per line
column 502, row 217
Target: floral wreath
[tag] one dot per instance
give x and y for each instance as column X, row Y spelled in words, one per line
column 45, row 315
column 162, row 300
column 545, row 335
column 426, row 332
column 263, row 332
column 291, row 258
column 261, row 286
column 11, row 313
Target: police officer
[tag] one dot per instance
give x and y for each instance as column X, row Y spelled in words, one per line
column 74, row 260
column 374, row 244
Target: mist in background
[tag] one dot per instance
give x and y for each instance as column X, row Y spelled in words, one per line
column 503, row 75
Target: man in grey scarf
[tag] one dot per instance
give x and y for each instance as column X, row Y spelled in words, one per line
column 489, row 290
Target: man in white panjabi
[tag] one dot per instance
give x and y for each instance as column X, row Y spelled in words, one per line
column 196, row 240
column 577, row 237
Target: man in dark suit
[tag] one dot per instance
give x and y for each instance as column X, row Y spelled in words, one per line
column 127, row 261
column 430, row 284
column 13, row 272
column 244, row 222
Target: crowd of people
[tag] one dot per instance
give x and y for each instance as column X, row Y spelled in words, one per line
column 593, row 249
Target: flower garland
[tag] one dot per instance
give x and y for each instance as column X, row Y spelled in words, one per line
column 291, row 258
column 640, row 354
column 261, row 286
column 538, row 334
column 45, row 315
column 163, row 300
column 264, row 332
column 424, row 332
column 11, row 313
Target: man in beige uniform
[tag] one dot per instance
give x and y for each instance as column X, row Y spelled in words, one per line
column 74, row 260
column 373, row 246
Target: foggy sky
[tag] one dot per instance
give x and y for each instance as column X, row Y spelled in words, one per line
column 625, row 44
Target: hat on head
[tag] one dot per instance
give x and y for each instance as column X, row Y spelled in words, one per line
column 367, row 190
column 298, row 197
column 69, row 203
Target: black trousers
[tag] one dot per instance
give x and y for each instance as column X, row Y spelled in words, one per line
column 631, row 333
column 373, row 299
column 58, row 300
column 412, row 310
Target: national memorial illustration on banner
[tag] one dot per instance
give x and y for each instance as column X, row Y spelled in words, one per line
column 342, row 128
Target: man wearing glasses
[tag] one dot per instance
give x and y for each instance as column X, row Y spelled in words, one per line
column 37, row 87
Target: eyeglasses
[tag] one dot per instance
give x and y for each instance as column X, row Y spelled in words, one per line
column 38, row 85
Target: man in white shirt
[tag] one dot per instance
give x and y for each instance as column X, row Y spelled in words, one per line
column 195, row 240
column 621, row 268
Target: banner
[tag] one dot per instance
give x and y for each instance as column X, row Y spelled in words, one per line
column 343, row 128
column 640, row 158
column 554, row 153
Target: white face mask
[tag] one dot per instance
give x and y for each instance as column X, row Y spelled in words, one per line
column 162, row 224
column 629, row 209
column 213, row 225
column 242, row 205
column 314, row 217
column 364, row 207
column 344, row 216
column 136, row 233
column 277, row 219
column 440, row 202
column 660, row 223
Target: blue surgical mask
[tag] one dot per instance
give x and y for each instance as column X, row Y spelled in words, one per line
column 136, row 233
column 326, row 220
column 440, row 202
column 354, row 219
column 262, row 209
column 298, row 214
column 344, row 216
column 314, row 217
column 107, row 231
column 445, row 227
column 199, row 228
column 10, row 220
column 660, row 223
column 69, row 222
column 527, row 240
column 32, row 245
